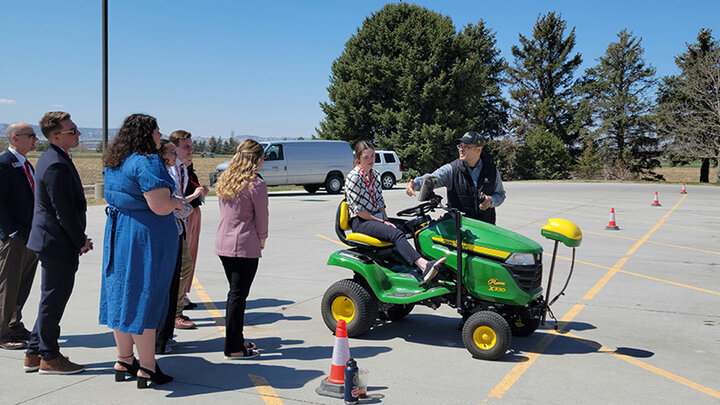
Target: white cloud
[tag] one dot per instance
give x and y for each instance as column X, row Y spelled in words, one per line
column 57, row 105
column 7, row 101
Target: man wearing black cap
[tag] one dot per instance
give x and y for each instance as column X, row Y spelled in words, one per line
column 473, row 182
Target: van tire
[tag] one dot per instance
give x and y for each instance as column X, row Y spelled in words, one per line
column 334, row 183
column 311, row 188
column 387, row 180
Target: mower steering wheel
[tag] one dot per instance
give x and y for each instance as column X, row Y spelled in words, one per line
column 419, row 210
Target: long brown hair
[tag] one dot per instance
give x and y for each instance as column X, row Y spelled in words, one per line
column 242, row 169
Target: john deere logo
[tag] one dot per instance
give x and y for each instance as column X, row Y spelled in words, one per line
column 494, row 281
column 496, row 285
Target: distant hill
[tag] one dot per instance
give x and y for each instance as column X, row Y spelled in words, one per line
column 95, row 135
column 88, row 134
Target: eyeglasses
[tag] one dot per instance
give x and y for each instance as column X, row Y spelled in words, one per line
column 462, row 146
column 28, row 135
column 72, row 131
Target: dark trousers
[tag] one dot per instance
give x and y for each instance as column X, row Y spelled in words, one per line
column 240, row 272
column 57, row 281
column 18, row 265
column 387, row 233
column 165, row 330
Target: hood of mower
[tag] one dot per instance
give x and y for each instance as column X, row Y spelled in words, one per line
column 480, row 238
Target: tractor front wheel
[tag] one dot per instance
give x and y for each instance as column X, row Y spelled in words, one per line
column 348, row 300
column 486, row 335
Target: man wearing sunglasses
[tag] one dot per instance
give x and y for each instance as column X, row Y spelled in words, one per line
column 473, row 182
column 17, row 263
column 58, row 237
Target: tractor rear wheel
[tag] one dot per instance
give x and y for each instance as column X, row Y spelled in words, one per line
column 394, row 312
column 486, row 335
column 348, row 300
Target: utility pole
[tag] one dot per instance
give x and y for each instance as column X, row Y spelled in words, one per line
column 105, row 73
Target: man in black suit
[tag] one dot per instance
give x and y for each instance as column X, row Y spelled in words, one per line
column 17, row 263
column 58, row 236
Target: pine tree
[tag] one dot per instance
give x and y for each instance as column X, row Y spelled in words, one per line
column 541, row 82
column 408, row 81
column 689, row 104
column 617, row 92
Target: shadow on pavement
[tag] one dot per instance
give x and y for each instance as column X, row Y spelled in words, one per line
column 251, row 304
column 93, row 341
column 197, row 376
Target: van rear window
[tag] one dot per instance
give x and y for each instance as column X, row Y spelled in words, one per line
column 389, row 158
column 377, row 158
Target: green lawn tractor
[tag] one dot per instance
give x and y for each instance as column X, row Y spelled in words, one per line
column 492, row 276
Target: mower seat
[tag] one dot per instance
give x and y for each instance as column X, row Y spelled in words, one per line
column 342, row 224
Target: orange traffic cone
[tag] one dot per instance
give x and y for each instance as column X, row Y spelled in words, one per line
column 683, row 191
column 333, row 386
column 611, row 223
column 656, row 201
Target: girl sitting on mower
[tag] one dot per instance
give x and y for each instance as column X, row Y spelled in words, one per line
column 365, row 202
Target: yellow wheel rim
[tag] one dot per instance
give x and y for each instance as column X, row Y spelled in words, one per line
column 484, row 337
column 343, row 308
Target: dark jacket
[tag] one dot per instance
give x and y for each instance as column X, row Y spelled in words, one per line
column 16, row 198
column 58, row 226
column 464, row 194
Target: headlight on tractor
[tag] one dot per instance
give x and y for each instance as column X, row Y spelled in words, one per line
column 521, row 259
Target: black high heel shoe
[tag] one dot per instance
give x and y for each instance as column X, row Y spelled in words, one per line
column 157, row 377
column 130, row 369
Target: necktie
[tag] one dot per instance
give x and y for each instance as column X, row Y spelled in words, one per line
column 182, row 178
column 28, row 173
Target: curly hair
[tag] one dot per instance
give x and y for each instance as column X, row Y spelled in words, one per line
column 135, row 135
column 242, row 169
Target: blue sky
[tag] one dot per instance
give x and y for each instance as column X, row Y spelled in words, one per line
column 260, row 68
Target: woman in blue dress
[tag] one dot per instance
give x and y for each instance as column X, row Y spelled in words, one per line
column 140, row 246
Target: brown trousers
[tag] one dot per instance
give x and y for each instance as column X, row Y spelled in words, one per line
column 17, row 272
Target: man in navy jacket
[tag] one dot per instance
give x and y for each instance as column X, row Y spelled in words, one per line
column 17, row 263
column 58, row 237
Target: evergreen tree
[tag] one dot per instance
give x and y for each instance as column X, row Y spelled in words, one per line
column 408, row 81
column 617, row 92
column 541, row 82
column 212, row 145
column 544, row 156
column 689, row 104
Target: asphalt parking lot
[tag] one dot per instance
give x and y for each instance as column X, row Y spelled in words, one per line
column 640, row 321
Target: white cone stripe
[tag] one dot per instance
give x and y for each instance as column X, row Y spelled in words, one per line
column 341, row 352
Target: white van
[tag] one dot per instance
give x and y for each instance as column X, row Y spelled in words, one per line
column 388, row 165
column 312, row 164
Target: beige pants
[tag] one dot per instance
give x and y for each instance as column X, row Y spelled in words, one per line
column 193, row 237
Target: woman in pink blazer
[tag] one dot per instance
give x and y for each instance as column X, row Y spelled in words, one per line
column 240, row 238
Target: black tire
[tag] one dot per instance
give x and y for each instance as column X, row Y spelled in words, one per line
column 523, row 325
column 387, row 180
column 311, row 188
column 486, row 335
column 394, row 312
column 334, row 183
column 348, row 298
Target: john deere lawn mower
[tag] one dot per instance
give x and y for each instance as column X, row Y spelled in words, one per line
column 492, row 276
